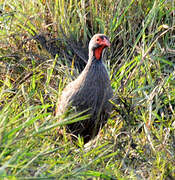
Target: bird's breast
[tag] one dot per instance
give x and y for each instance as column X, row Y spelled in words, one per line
column 93, row 88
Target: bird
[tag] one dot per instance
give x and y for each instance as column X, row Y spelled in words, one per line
column 90, row 92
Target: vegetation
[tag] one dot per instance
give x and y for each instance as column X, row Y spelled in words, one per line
column 43, row 46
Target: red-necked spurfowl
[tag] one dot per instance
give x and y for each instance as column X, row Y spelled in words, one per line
column 91, row 91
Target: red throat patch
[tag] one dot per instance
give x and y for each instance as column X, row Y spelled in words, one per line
column 98, row 52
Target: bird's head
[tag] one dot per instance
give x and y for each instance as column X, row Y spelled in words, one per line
column 97, row 45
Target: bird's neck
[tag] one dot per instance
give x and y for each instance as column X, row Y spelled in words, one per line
column 95, row 55
column 93, row 64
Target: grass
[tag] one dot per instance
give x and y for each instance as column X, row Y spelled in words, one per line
column 138, row 141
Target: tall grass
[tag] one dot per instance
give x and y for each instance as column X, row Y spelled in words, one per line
column 138, row 141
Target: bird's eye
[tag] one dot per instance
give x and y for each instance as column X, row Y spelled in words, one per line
column 98, row 39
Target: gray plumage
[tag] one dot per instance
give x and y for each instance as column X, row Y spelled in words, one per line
column 90, row 91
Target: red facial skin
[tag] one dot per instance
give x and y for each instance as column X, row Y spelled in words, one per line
column 103, row 43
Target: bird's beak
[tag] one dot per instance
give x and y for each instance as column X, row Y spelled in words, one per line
column 106, row 42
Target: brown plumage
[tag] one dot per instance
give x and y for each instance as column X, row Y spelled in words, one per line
column 90, row 91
